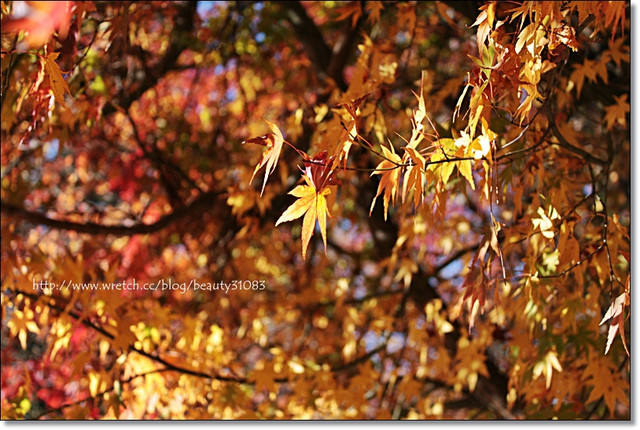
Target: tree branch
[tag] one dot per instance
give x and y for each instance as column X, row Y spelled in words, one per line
column 469, row 8
column 564, row 143
column 326, row 63
column 385, row 234
column 183, row 24
column 90, row 324
column 309, row 34
column 202, row 202
column 342, row 51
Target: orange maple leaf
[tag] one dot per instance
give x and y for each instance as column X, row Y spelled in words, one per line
column 58, row 85
column 617, row 113
column 374, row 8
column 607, row 382
column 389, row 180
column 353, row 10
column 265, row 378
column 414, row 177
column 475, row 285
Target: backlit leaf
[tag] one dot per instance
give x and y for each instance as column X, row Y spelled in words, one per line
column 273, row 141
column 59, row 86
column 615, row 313
column 313, row 205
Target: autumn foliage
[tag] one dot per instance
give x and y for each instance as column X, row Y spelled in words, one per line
column 344, row 210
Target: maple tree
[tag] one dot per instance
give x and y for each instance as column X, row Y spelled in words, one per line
column 465, row 163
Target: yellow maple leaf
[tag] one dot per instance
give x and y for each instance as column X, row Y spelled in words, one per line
column 313, row 205
column 21, row 323
column 545, row 367
column 545, row 222
column 464, row 167
column 484, row 23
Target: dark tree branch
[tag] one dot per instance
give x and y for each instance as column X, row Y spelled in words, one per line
column 326, row 63
column 491, row 391
column 183, row 25
column 342, row 51
column 84, row 320
column 309, row 34
column 467, row 8
column 201, row 203
column 564, row 143
column 155, row 158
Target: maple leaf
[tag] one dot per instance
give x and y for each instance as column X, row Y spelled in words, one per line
column 123, row 339
column 476, row 292
column 414, row 177
column 541, row 327
column 265, row 377
column 59, row 86
column 545, row 367
column 469, row 362
column 607, row 383
column 312, row 202
column 614, row 13
column 615, row 313
column 389, row 180
column 346, row 141
column 464, row 166
column 530, row 93
column 419, row 115
column 349, row 130
column 525, row 35
column 436, row 318
column 353, row 10
column 617, row 113
column 475, row 284
column 273, row 142
column 545, row 223
column 484, row 23
column 581, row 72
column 21, row 323
column 374, row 8
column 564, row 34
column 617, row 52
